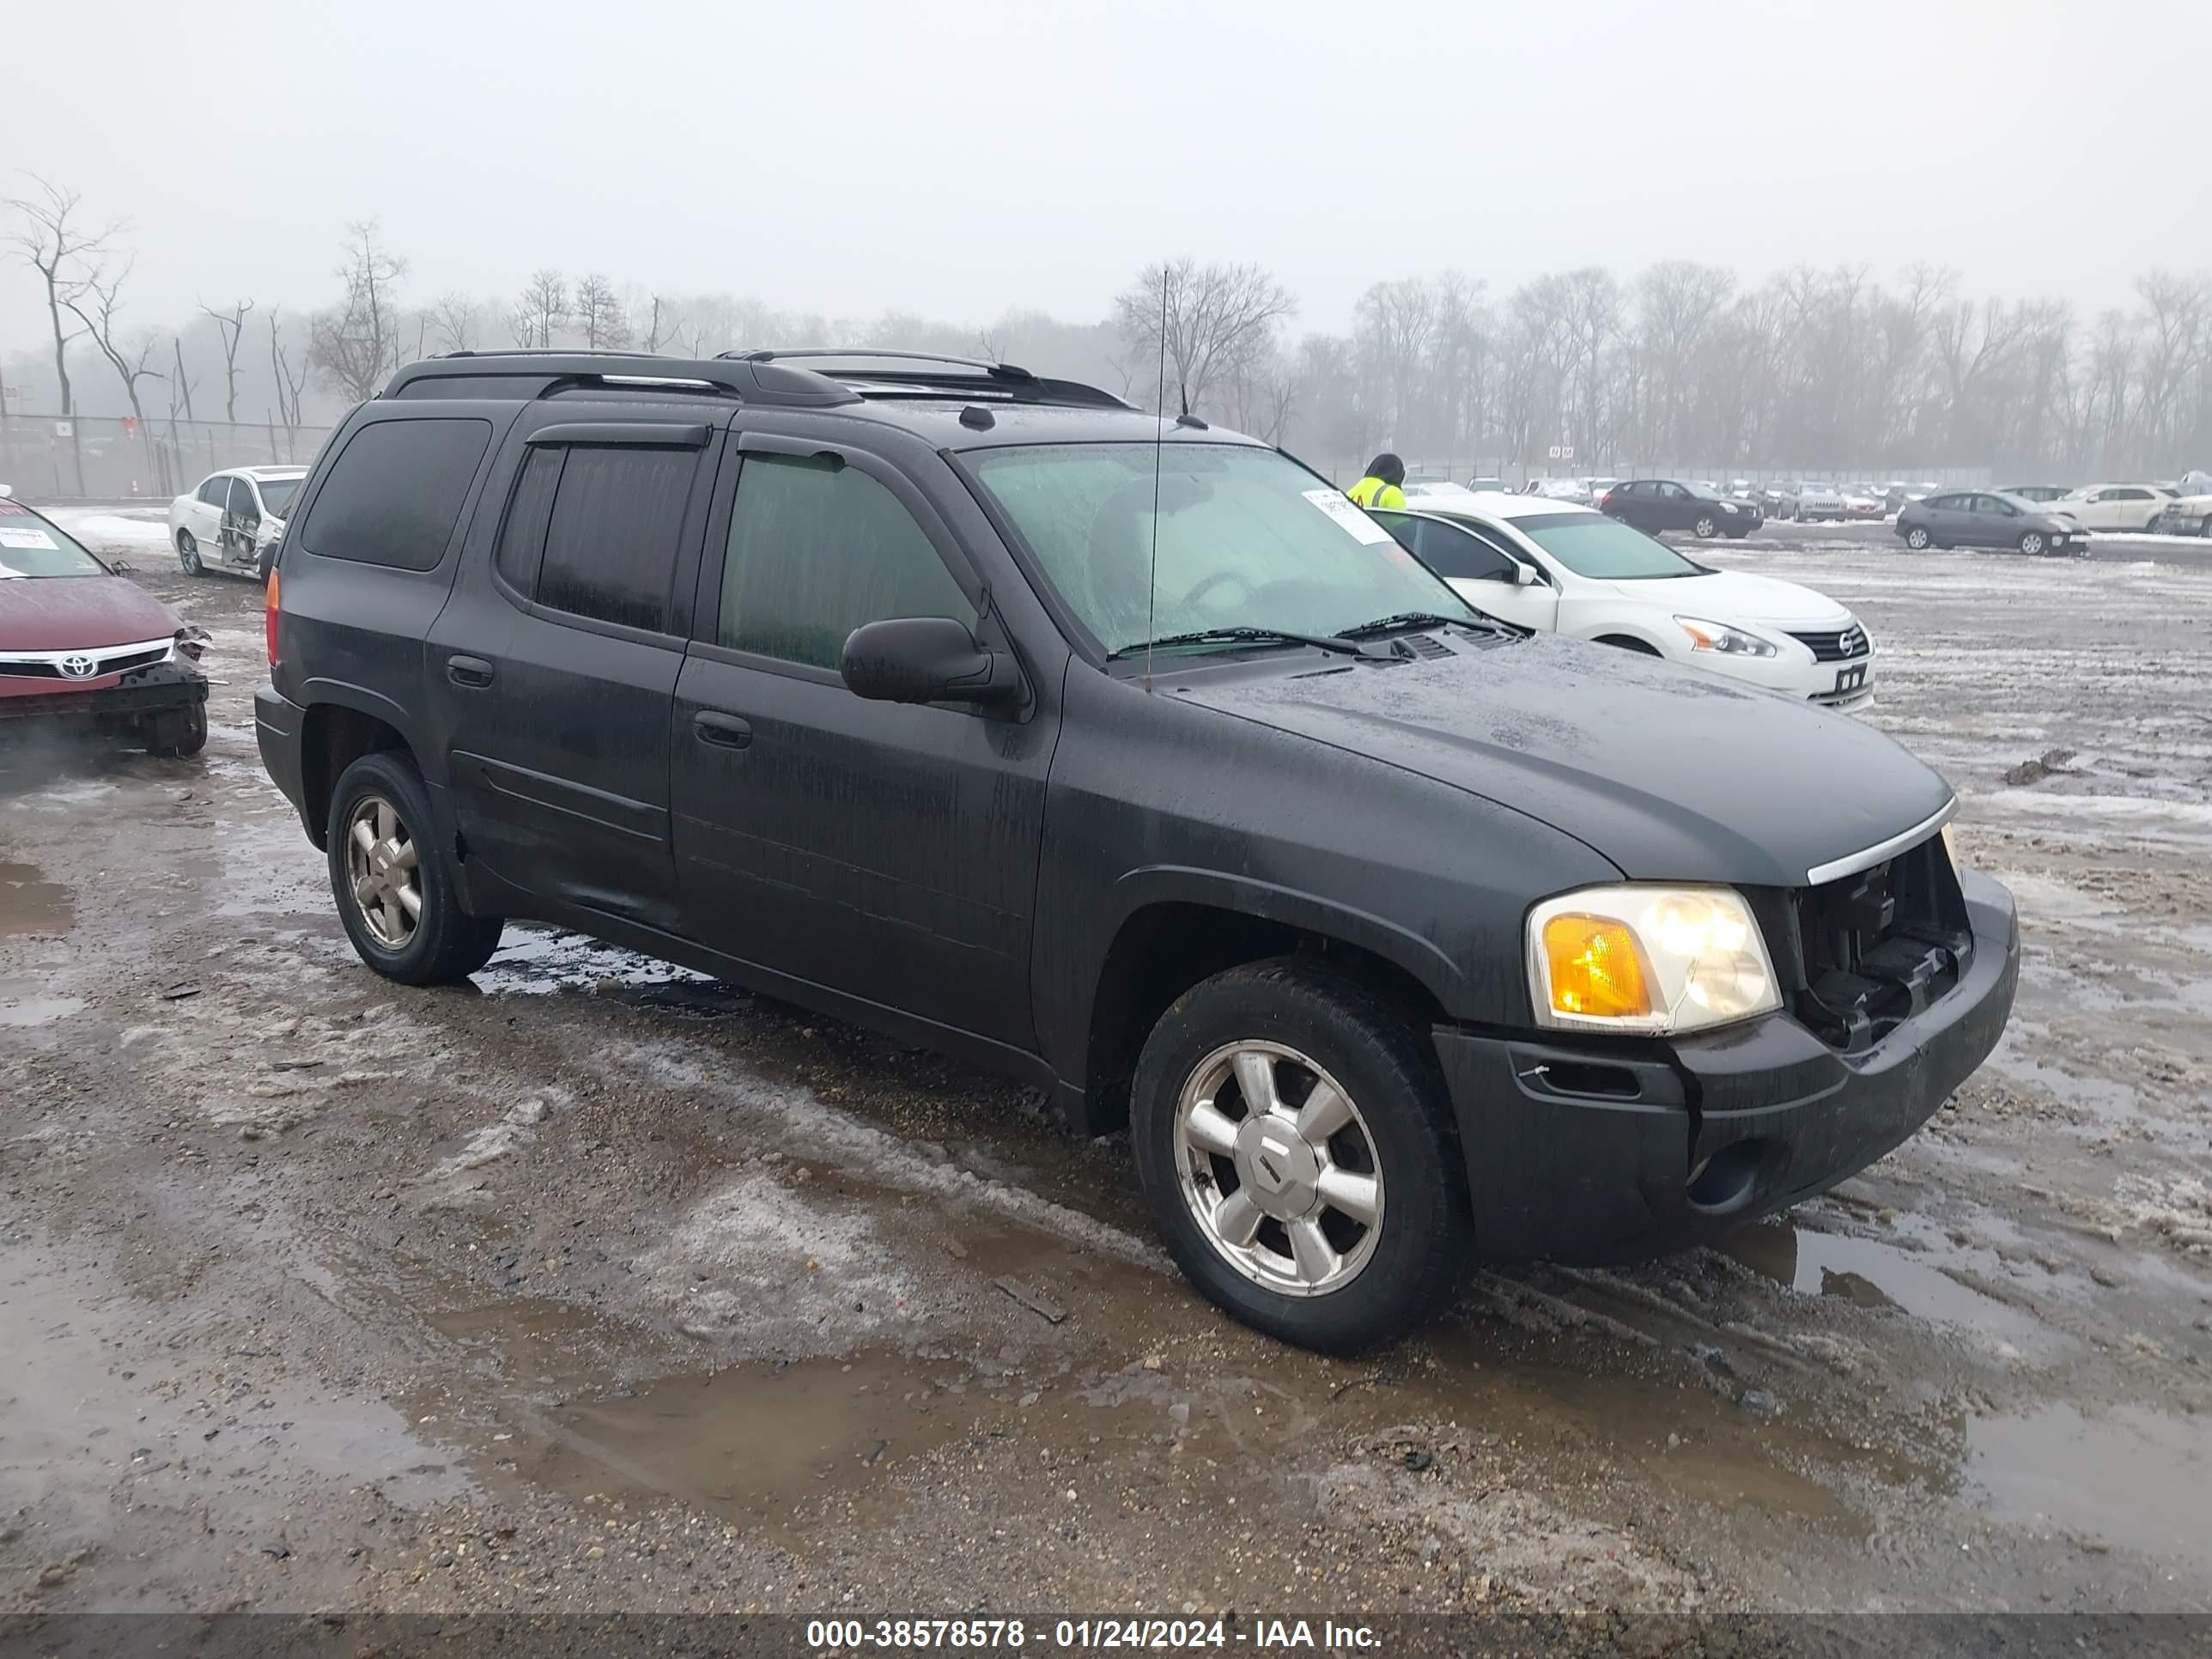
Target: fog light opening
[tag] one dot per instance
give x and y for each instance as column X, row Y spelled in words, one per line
column 1727, row 1180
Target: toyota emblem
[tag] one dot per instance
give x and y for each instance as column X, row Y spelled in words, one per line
column 78, row 667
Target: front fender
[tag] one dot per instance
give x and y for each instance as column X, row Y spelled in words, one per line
column 1399, row 945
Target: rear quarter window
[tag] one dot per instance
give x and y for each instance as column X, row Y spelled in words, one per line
column 395, row 492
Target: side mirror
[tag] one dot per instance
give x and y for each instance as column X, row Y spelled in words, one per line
column 1524, row 576
column 926, row 659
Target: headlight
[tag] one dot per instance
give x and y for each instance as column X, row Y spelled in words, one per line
column 1727, row 507
column 1648, row 960
column 1720, row 638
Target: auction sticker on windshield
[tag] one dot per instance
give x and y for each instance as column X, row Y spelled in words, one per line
column 1338, row 507
column 28, row 538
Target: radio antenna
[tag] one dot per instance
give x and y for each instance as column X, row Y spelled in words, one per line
column 1159, row 446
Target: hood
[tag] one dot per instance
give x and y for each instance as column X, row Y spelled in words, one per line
column 61, row 613
column 1669, row 773
column 1731, row 596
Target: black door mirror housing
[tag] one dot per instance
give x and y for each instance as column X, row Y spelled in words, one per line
column 926, row 659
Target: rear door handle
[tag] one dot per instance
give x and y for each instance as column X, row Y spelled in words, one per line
column 472, row 671
column 725, row 731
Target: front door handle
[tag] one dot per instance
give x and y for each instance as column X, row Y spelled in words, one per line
column 472, row 671
column 724, row 731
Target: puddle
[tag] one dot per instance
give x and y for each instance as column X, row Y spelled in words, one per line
column 2134, row 1477
column 29, row 903
column 1873, row 1274
column 534, row 961
column 752, row 1441
column 22, row 1003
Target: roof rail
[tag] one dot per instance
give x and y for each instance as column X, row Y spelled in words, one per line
column 537, row 372
column 998, row 382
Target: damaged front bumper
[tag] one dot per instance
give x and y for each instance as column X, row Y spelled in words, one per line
column 159, row 688
column 1597, row 1153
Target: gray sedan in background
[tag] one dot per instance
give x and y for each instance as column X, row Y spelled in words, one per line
column 1987, row 517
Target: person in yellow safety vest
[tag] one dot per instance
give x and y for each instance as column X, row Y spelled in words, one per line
column 1380, row 487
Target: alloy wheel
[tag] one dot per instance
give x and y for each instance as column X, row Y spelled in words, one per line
column 2031, row 542
column 381, row 870
column 1278, row 1168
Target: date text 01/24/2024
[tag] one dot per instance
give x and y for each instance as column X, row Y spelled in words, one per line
column 1083, row 1635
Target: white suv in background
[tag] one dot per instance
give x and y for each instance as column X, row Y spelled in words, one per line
column 1561, row 569
column 233, row 519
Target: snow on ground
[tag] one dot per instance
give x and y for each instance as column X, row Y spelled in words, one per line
column 110, row 529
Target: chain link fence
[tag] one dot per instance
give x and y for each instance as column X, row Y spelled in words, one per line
column 104, row 458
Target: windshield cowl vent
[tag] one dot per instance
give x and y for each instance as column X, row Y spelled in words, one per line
column 1426, row 645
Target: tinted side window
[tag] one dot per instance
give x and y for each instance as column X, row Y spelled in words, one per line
column 1406, row 529
column 1459, row 555
column 213, row 491
column 522, row 536
column 816, row 550
column 394, row 493
column 611, row 541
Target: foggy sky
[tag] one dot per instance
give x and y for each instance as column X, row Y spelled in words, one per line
column 959, row 157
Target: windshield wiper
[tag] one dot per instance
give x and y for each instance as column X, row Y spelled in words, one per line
column 1422, row 619
column 1348, row 647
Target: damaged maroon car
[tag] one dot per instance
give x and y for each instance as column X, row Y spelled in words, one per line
column 84, row 650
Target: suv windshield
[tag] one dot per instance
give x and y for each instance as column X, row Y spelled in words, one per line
column 30, row 546
column 277, row 492
column 1605, row 549
column 1248, row 538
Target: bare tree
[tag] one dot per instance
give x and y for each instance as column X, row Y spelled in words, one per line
column 97, row 308
column 291, row 378
column 181, row 385
column 542, row 308
column 1203, row 321
column 660, row 321
column 598, row 314
column 231, row 325
column 453, row 321
column 53, row 241
column 355, row 345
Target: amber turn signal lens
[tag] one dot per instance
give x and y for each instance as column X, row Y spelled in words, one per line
column 1595, row 968
column 269, row 603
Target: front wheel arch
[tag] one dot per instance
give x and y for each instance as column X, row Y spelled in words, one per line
column 1628, row 642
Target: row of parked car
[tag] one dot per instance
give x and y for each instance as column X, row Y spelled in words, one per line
column 1707, row 508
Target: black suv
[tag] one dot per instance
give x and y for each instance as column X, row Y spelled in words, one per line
column 1128, row 756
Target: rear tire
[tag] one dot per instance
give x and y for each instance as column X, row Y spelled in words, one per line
column 178, row 734
column 394, row 883
column 1315, row 1274
column 188, row 553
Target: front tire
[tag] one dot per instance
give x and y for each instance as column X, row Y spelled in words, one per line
column 1706, row 528
column 188, row 553
column 2032, row 543
column 178, row 734
column 393, row 881
column 1916, row 539
column 1293, row 1139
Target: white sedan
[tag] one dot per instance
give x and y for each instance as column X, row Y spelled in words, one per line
column 1567, row 569
column 233, row 518
column 2113, row 506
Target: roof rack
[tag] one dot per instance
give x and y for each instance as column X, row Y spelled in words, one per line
column 536, row 373
column 971, row 378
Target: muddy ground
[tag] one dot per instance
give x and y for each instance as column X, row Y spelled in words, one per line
column 597, row 1286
